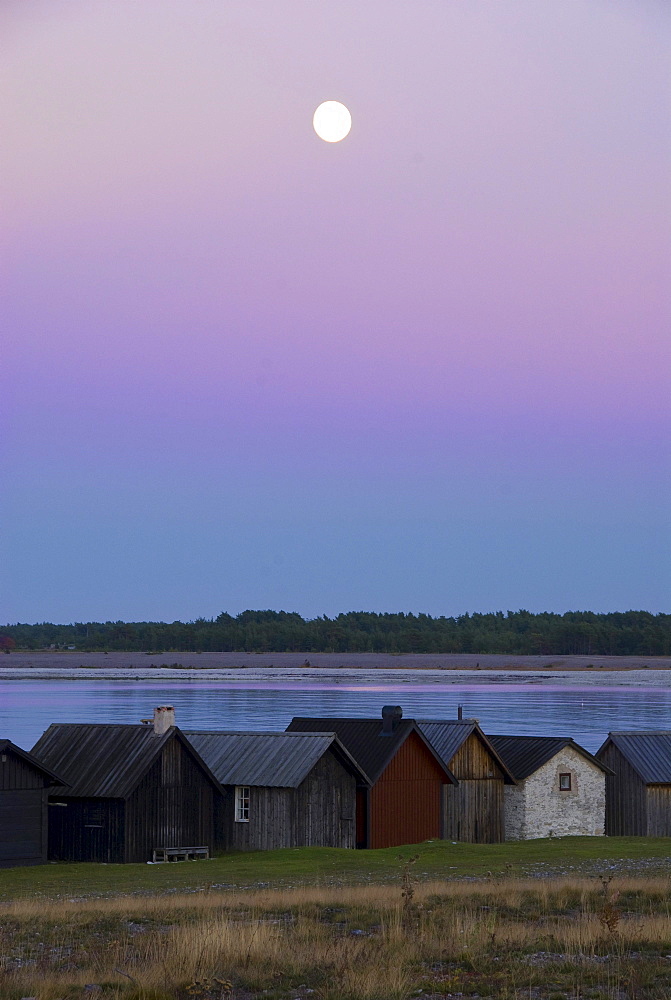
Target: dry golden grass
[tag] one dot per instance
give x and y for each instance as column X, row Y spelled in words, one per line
column 495, row 937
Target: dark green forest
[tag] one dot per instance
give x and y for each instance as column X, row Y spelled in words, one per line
column 628, row 633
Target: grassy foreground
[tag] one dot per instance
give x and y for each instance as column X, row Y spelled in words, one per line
column 501, row 939
column 332, row 866
column 319, row 924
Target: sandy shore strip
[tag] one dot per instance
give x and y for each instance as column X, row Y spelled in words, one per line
column 339, row 668
column 368, row 661
column 55, row 659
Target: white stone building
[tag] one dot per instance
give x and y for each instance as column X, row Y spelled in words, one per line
column 560, row 790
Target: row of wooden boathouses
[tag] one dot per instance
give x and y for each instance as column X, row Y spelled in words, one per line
column 125, row 793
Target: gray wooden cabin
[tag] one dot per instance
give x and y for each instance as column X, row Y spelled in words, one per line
column 473, row 808
column 638, row 794
column 24, row 790
column 131, row 789
column 281, row 789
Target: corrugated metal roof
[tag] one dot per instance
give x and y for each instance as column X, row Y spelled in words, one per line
column 448, row 735
column 365, row 740
column 649, row 753
column 104, row 761
column 525, row 754
column 277, row 760
column 7, row 745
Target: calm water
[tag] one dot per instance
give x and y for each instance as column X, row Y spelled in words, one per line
column 586, row 713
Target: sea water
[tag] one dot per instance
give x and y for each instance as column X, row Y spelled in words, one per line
column 578, row 705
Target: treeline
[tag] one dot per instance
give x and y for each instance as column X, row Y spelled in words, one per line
column 628, row 633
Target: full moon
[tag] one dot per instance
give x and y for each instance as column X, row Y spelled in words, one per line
column 332, row 121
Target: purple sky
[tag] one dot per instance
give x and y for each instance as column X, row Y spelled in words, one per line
column 426, row 368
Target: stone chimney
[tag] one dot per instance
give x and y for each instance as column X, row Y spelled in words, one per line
column 391, row 716
column 164, row 718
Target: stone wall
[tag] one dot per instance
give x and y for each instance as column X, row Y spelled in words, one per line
column 537, row 808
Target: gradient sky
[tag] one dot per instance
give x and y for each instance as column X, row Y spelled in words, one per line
column 424, row 369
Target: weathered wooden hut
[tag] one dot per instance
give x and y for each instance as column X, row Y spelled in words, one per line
column 638, row 792
column 560, row 790
column 402, row 804
column 281, row 789
column 24, row 789
column 132, row 789
column 473, row 808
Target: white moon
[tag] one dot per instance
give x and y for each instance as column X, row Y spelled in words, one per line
column 332, row 121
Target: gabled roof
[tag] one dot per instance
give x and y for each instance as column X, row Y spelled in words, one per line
column 365, row 740
column 38, row 765
column 649, row 753
column 277, row 760
column 526, row 754
column 447, row 737
column 107, row 760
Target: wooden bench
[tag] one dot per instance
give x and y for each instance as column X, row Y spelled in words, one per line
column 180, row 854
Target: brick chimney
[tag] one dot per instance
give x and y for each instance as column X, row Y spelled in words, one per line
column 391, row 716
column 164, row 718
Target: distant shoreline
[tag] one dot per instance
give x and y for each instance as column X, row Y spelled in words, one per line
column 145, row 663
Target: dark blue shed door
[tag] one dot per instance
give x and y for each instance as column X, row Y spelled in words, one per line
column 20, row 824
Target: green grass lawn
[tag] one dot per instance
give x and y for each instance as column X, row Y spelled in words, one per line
column 320, row 865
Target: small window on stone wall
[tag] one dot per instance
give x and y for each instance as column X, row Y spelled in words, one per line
column 564, row 782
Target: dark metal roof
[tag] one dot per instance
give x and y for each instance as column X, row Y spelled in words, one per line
column 278, row 760
column 105, row 761
column 38, row 765
column 649, row 753
column 525, row 754
column 447, row 736
column 365, row 740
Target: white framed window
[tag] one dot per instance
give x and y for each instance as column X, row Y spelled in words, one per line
column 565, row 782
column 242, row 803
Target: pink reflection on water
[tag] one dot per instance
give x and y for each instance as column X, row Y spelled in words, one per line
column 450, row 688
column 585, row 712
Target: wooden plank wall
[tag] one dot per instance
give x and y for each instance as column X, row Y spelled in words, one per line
column 325, row 806
column 23, row 812
column 17, row 773
column 626, row 813
column 86, row 830
column 405, row 802
column 658, row 810
column 473, row 760
column 319, row 813
column 473, row 809
column 270, row 821
column 173, row 806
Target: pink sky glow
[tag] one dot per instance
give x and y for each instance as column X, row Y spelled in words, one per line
column 426, row 368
